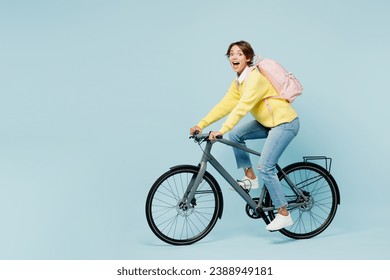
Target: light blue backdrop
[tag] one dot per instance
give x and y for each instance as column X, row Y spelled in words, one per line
column 97, row 98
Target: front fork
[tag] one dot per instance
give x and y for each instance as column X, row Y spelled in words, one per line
column 188, row 198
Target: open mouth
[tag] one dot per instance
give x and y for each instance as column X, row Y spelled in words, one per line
column 236, row 63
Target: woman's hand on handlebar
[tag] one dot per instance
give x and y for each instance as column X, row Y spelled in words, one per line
column 195, row 130
column 214, row 135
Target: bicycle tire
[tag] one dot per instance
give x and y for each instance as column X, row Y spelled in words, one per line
column 313, row 218
column 177, row 226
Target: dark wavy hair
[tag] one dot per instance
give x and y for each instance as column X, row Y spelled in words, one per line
column 246, row 49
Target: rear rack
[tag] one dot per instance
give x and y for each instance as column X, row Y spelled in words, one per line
column 327, row 161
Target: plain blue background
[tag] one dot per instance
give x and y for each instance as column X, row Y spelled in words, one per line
column 97, row 98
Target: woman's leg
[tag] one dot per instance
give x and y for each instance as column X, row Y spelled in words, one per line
column 278, row 139
column 247, row 131
column 241, row 133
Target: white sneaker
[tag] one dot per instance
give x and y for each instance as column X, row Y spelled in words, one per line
column 280, row 222
column 249, row 184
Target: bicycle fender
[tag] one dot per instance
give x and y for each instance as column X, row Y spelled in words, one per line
column 215, row 182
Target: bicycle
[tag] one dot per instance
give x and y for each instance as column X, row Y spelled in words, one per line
column 184, row 203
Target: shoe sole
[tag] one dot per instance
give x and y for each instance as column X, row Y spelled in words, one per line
column 272, row 230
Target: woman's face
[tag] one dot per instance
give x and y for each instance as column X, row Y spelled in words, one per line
column 237, row 59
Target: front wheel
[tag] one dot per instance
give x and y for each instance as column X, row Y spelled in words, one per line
column 173, row 223
column 317, row 213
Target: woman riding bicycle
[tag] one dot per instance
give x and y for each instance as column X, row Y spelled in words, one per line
column 275, row 120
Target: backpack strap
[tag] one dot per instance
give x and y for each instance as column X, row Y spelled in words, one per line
column 258, row 59
column 247, row 74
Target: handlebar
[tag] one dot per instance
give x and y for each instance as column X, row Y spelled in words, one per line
column 199, row 137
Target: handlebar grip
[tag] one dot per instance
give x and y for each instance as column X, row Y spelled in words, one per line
column 203, row 136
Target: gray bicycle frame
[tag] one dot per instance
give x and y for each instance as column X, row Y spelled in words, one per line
column 208, row 157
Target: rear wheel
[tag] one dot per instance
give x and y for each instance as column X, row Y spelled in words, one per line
column 317, row 213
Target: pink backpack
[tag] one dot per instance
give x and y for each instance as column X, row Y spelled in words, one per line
column 284, row 82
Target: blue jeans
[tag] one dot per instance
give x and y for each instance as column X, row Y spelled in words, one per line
column 277, row 139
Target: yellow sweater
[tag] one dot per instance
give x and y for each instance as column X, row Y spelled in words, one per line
column 250, row 96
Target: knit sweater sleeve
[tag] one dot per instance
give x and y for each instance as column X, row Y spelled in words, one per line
column 223, row 107
column 253, row 90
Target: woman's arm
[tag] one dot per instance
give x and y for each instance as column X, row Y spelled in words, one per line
column 255, row 88
column 222, row 108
